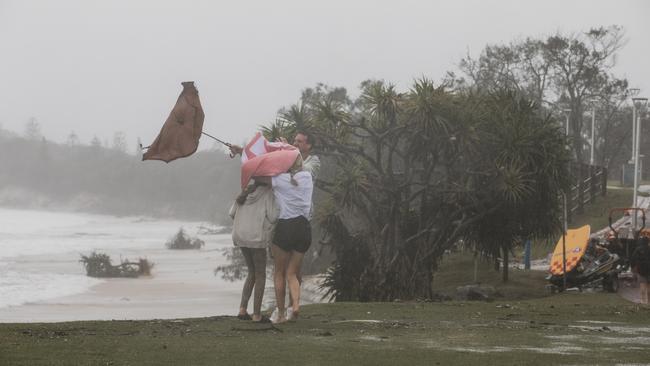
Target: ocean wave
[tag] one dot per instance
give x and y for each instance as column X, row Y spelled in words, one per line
column 23, row 288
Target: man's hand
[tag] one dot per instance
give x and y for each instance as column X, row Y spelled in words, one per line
column 235, row 150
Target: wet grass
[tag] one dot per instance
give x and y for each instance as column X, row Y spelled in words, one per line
column 596, row 213
column 457, row 269
column 571, row 328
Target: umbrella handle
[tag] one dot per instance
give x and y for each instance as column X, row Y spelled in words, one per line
column 216, row 139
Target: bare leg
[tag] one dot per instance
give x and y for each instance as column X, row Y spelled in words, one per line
column 280, row 259
column 643, row 289
column 299, row 275
column 259, row 259
column 293, row 271
column 249, row 282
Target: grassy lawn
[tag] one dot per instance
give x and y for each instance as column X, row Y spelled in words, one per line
column 596, row 213
column 457, row 269
column 571, row 328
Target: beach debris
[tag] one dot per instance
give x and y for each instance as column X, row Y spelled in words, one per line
column 99, row 265
column 183, row 241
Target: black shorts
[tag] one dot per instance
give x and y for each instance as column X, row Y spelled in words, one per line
column 293, row 234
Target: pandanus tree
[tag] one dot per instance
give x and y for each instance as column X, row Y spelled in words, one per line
column 410, row 177
column 525, row 159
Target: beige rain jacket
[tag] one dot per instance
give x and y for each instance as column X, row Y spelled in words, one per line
column 254, row 221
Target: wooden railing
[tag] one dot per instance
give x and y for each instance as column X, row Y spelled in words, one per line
column 589, row 182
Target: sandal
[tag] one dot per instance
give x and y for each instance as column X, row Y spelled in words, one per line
column 246, row 316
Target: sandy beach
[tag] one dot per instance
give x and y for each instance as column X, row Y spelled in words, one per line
column 182, row 284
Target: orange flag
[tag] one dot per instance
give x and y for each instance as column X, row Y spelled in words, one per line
column 179, row 136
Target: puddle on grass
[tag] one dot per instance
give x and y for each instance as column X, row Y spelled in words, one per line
column 568, row 337
column 372, row 321
column 557, row 350
column 613, row 328
column 624, row 340
column 597, row 322
column 372, row 338
column 573, row 344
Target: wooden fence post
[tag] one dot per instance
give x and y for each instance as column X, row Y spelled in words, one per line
column 581, row 188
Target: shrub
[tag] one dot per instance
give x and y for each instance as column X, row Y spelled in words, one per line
column 183, row 241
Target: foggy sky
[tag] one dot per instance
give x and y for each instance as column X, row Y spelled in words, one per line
column 97, row 67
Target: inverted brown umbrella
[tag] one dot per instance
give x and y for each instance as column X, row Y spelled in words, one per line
column 179, row 136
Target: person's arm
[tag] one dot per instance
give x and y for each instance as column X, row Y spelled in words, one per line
column 264, row 180
column 313, row 167
column 272, row 209
column 233, row 210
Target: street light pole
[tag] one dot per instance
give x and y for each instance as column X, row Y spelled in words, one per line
column 633, row 92
column 565, row 219
column 632, row 160
column 637, row 103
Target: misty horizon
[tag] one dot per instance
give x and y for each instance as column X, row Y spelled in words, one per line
column 96, row 69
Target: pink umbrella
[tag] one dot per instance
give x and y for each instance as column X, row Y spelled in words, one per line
column 268, row 165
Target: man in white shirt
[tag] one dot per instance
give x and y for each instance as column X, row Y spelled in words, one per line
column 304, row 141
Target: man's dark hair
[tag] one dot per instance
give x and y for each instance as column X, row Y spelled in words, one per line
column 311, row 140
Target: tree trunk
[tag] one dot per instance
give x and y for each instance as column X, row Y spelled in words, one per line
column 505, row 263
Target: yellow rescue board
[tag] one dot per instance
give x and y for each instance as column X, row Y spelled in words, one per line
column 576, row 244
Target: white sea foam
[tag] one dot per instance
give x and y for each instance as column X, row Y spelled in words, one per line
column 39, row 251
column 29, row 232
column 21, row 288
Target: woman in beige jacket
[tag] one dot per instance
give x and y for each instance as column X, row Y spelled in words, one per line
column 255, row 214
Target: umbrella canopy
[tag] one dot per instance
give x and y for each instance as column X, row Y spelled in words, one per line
column 268, row 165
column 259, row 145
column 179, row 136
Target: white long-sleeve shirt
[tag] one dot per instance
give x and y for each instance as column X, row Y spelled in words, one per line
column 293, row 200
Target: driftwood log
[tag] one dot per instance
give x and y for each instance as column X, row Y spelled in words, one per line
column 99, row 265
